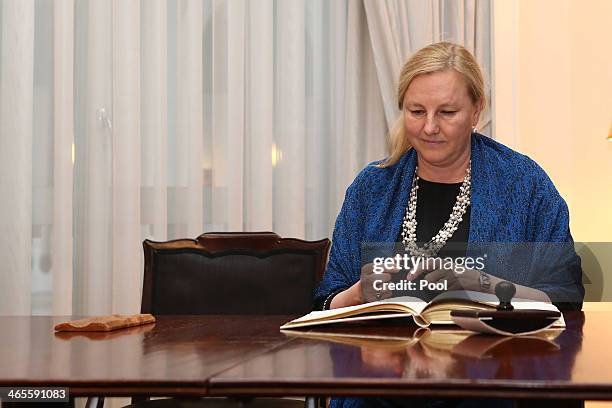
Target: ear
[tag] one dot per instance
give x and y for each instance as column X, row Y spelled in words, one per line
column 478, row 108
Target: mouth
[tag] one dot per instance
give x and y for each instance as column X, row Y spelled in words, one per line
column 432, row 142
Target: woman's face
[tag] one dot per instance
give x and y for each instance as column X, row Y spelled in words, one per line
column 439, row 116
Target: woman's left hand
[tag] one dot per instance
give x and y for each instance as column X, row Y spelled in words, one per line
column 466, row 279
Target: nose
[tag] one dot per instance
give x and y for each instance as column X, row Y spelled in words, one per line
column 431, row 125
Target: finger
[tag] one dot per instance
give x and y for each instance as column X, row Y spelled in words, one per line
column 371, row 282
column 385, row 277
column 367, row 269
column 393, row 269
column 428, row 264
column 436, row 275
column 455, row 285
column 414, row 274
column 460, row 284
column 442, row 285
column 422, row 268
column 385, row 294
column 375, row 295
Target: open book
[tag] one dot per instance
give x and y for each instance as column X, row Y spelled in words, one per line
column 437, row 311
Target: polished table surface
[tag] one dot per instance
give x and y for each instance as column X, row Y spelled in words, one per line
column 248, row 355
column 576, row 364
column 177, row 355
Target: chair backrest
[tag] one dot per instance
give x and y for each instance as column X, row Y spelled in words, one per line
column 232, row 273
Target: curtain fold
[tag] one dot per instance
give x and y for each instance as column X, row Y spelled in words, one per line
column 233, row 161
column 126, row 179
column 317, row 119
column 259, row 116
column 63, row 131
column 154, row 118
column 189, row 122
column 16, row 117
column 93, row 163
column 339, row 179
column 290, row 117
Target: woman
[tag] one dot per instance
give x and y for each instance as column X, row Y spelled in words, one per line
column 443, row 184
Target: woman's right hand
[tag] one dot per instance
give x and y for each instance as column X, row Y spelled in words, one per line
column 365, row 290
column 372, row 288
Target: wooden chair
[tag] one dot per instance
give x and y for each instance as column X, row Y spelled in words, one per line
column 231, row 273
column 219, row 273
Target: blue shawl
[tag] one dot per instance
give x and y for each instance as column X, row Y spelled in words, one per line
column 513, row 201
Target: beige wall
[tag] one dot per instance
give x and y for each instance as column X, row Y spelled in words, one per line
column 591, row 113
column 553, row 102
column 544, row 78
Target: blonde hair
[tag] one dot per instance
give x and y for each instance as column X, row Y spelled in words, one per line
column 433, row 58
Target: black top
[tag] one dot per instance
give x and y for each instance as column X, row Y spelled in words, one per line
column 435, row 203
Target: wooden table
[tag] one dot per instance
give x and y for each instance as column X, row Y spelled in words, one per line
column 175, row 356
column 576, row 365
column 247, row 355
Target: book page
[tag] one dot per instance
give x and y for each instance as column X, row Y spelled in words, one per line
column 466, row 295
column 387, row 308
column 490, row 300
column 438, row 310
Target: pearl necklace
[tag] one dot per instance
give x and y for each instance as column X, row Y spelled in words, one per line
column 409, row 224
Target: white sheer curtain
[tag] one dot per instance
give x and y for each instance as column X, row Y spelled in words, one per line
column 16, row 113
column 122, row 120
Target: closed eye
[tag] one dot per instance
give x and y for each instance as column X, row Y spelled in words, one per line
column 448, row 112
column 417, row 112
